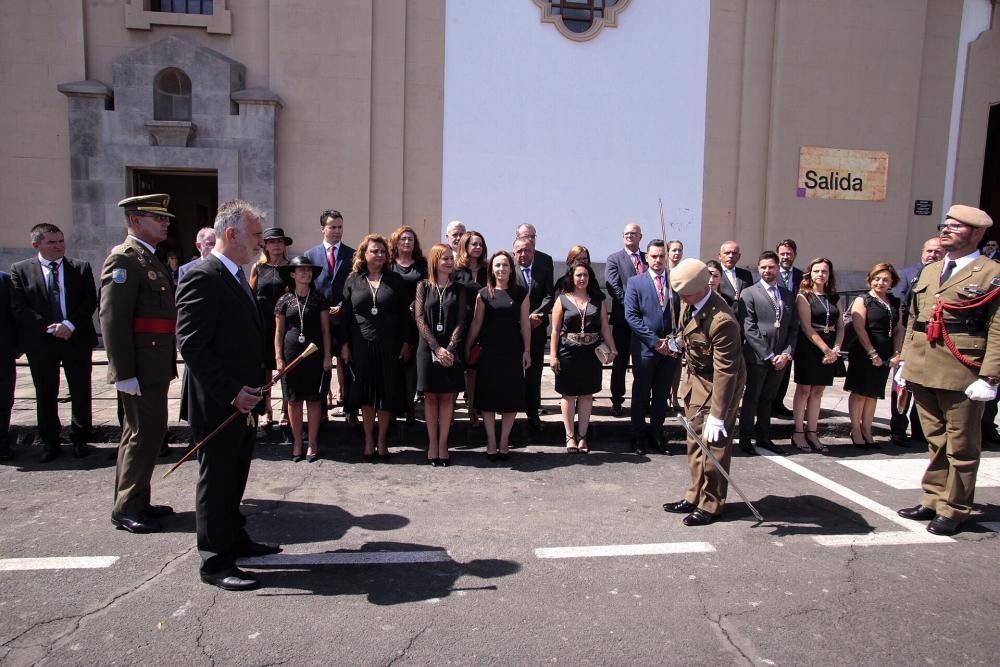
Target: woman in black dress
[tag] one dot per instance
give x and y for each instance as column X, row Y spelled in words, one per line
column 500, row 327
column 302, row 317
column 376, row 328
column 407, row 260
column 579, row 325
column 876, row 317
column 470, row 270
column 269, row 285
column 441, row 321
column 817, row 352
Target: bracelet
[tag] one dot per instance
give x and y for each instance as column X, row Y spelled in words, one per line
column 872, row 353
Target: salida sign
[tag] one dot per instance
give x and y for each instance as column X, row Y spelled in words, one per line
column 842, row 173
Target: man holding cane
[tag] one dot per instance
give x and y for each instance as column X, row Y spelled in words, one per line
column 221, row 339
column 711, row 391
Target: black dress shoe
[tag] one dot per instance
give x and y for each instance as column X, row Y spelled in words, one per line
column 535, row 423
column 699, row 517
column 680, row 507
column 917, row 513
column 899, row 440
column 656, row 443
column 942, row 525
column 617, row 410
column 771, row 447
column 51, row 453
column 253, row 549
column 747, row 448
column 635, row 444
column 135, row 524
column 81, row 450
column 231, row 579
column 159, row 511
column 312, row 458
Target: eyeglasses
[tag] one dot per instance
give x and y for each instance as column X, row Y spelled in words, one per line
column 951, row 226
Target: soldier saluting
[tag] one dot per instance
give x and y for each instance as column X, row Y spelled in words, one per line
column 139, row 320
column 951, row 364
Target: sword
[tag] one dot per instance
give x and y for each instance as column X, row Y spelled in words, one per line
column 708, row 452
column 663, row 222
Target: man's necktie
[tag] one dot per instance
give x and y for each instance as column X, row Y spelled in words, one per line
column 331, row 260
column 777, row 303
column 527, row 277
column 731, row 275
column 54, row 300
column 786, row 277
column 638, row 262
column 659, row 288
column 688, row 315
column 242, row 278
column 948, row 268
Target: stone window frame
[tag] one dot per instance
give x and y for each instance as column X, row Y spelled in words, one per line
column 159, row 94
column 610, row 19
column 139, row 17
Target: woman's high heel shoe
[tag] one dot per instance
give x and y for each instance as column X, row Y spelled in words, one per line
column 801, row 444
column 860, row 445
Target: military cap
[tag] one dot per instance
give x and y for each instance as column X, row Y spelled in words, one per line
column 690, row 276
column 156, row 204
column 969, row 215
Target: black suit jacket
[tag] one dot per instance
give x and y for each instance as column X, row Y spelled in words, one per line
column 221, row 338
column 618, row 269
column 33, row 312
column 744, row 279
column 541, row 294
column 8, row 331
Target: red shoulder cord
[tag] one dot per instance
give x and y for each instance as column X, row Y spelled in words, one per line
column 936, row 328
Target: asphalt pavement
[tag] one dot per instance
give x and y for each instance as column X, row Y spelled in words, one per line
column 547, row 558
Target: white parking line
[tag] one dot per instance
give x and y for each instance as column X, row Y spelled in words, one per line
column 880, row 539
column 351, row 558
column 625, row 550
column 57, row 563
column 858, row 499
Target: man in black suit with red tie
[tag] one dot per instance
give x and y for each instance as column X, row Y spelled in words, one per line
column 221, row 338
column 622, row 265
column 53, row 299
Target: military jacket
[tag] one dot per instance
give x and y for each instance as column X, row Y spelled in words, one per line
column 713, row 349
column 976, row 334
column 138, row 315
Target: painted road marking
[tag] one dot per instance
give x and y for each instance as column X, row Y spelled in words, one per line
column 57, row 563
column 907, row 473
column 880, row 539
column 854, row 497
column 625, row 550
column 349, row 558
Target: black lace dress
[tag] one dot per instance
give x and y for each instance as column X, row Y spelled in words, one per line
column 441, row 322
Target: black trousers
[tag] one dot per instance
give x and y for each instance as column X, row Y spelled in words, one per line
column 622, row 334
column 755, row 413
column 76, row 364
column 533, row 375
column 222, row 479
column 8, row 377
column 779, row 395
column 652, row 376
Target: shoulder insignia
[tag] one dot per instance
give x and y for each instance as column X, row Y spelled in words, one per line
column 118, row 276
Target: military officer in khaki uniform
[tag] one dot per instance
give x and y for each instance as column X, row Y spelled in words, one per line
column 138, row 319
column 953, row 300
column 716, row 377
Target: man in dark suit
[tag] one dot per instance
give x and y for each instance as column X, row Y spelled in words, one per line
column 991, row 249
column 652, row 310
column 53, row 299
column 527, row 232
column 204, row 241
column 138, row 320
column 537, row 279
column 790, row 278
column 620, row 267
column 216, row 308
column 770, row 331
column 908, row 275
column 336, row 258
column 8, row 372
column 734, row 279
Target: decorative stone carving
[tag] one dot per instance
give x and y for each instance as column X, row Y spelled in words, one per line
column 596, row 13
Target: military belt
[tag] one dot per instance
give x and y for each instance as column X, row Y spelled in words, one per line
column 154, row 325
column 959, row 326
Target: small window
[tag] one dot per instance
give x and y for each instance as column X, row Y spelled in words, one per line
column 172, row 95
column 181, row 6
column 578, row 15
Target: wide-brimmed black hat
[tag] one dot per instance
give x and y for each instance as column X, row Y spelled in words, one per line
column 298, row 262
column 272, row 233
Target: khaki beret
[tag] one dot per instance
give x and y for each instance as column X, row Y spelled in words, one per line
column 155, row 204
column 969, row 215
column 690, row 276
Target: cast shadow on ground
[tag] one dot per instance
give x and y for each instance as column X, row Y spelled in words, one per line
column 800, row 515
column 384, row 583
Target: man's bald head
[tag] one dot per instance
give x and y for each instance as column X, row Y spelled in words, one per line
column 932, row 250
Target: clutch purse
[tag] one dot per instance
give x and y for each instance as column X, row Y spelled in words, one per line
column 603, row 353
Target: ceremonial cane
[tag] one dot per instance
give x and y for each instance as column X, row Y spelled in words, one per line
column 709, row 454
column 277, row 378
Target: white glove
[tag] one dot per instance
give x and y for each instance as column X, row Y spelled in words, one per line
column 713, row 430
column 675, row 346
column 981, row 390
column 129, row 386
column 898, row 377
